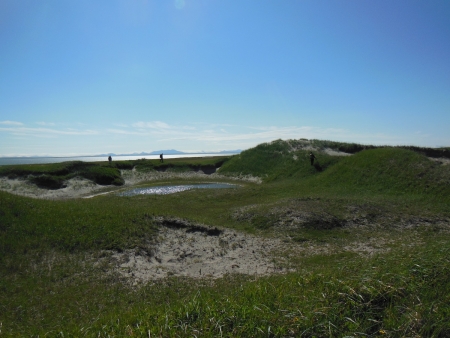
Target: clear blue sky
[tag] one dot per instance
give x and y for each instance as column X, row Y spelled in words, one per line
column 87, row 77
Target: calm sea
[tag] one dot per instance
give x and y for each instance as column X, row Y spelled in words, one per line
column 37, row 160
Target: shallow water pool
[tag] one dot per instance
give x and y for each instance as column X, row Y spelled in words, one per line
column 172, row 189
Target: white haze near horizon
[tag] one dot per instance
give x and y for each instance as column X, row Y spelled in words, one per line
column 58, row 141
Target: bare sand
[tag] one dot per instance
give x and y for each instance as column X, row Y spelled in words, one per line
column 183, row 249
column 198, row 251
column 441, row 160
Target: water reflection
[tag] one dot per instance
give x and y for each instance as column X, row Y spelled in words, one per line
column 172, row 189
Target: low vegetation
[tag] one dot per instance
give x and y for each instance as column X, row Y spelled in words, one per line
column 373, row 229
column 208, row 165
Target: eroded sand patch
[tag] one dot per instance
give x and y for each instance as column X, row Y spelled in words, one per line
column 183, row 249
column 74, row 188
column 198, row 251
column 441, row 160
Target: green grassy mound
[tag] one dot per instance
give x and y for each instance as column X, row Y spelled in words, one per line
column 277, row 160
column 353, row 148
column 388, row 171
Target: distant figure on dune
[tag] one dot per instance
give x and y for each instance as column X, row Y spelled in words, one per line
column 311, row 157
column 161, row 158
column 109, row 159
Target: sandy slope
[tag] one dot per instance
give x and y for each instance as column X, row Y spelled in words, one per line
column 198, row 251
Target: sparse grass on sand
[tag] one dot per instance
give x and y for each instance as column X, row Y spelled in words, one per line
column 366, row 240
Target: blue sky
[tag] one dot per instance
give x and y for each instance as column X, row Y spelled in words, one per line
column 86, row 77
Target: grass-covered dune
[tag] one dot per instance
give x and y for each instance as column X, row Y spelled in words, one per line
column 388, row 171
column 53, row 176
column 366, row 238
column 276, row 160
column 376, row 169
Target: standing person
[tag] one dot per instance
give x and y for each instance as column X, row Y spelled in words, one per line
column 311, row 157
column 161, row 158
column 109, row 159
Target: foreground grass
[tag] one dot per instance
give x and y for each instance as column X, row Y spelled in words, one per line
column 412, row 299
column 404, row 293
column 51, row 285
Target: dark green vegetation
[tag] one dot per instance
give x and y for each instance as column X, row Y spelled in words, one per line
column 207, row 165
column 353, row 148
column 395, row 201
column 53, row 176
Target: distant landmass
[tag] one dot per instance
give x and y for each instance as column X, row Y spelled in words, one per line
column 166, row 152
